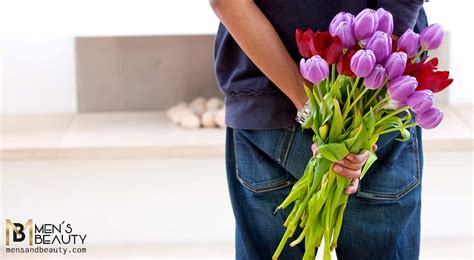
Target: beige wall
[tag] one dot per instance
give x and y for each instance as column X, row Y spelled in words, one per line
column 143, row 73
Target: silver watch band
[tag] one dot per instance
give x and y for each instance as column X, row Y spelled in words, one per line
column 304, row 113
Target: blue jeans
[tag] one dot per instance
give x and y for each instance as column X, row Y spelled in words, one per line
column 381, row 221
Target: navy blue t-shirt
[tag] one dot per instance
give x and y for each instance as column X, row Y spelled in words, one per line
column 252, row 100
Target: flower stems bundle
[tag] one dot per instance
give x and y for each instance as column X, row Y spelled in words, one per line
column 373, row 92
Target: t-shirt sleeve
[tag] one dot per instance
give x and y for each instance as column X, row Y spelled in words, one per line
column 405, row 13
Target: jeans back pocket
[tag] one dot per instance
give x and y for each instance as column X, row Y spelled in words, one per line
column 396, row 172
column 260, row 156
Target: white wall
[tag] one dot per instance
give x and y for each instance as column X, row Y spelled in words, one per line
column 38, row 74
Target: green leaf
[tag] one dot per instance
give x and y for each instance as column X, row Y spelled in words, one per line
column 333, row 151
column 337, row 122
column 315, row 115
column 349, row 141
column 308, row 123
column 373, row 140
column 356, row 122
column 329, row 108
column 316, row 94
column 314, row 110
column 311, row 98
column 342, row 137
column 361, row 140
column 390, row 122
column 335, row 90
column 372, row 158
column 325, row 85
column 347, row 99
column 370, row 122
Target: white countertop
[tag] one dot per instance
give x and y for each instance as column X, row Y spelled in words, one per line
column 151, row 134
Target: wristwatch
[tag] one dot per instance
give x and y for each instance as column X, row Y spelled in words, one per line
column 303, row 114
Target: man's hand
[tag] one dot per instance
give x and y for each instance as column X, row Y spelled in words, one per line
column 349, row 167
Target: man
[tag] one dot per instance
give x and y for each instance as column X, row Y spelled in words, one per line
column 266, row 152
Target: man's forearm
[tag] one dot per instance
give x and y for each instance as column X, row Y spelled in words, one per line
column 261, row 43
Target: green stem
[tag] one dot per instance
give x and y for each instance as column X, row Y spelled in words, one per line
column 281, row 245
column 320, row 93
column 397, row 128
column 391, row 114
column 381, row 103
column 354, row 103
column 354, row 85
column 417, row 56
column 377, row 92
column 333, row 73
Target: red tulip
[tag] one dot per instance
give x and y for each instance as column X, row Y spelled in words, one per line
column 344, row 62
column 436, row 82
column 319, row 43
column 427, row 75
column 326, row 46
column 303, row 40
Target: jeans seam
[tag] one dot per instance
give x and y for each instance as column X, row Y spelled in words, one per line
column 279, row 150
column 288, row 145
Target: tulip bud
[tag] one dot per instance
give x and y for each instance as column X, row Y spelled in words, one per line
column 421, row 101
column 365, row 24
column 381, row 44
column 430, row 118
column 338, row 19
column 345, row 34
column 395, row 64
column 409, row 42
column 376, row 78
column 323, row 131
column 362, row 63
column 385, row 21
column 402, row 87
column 431, row 37
column 314, row 69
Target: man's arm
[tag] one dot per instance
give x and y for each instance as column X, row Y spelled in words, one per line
column 261, row 43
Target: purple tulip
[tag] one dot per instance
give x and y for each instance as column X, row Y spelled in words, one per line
column 402, row 87
column 376, row 78
column 385, row 21
column 362, row 63
column 431, row 37
column 338, row 19
column 314, row 69
column 345, row 34
column 421, row 101
column 409, row 42
column 395, row 64
column 430, row 118
column 365, row 24
column 381, row 44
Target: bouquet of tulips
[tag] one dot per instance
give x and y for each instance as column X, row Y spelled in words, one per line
column 365, row 84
